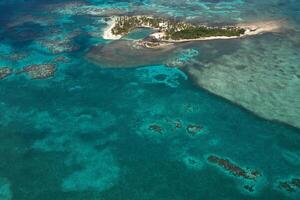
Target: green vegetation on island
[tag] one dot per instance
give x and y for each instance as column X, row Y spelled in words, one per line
column 173, row 30
column 125, row 24
column 202, row 31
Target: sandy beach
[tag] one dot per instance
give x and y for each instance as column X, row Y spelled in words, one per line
column 260, row 27
column 107, row 33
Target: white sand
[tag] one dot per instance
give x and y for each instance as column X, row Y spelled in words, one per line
column 262, row 27
column 107, row 33
column 204, row 38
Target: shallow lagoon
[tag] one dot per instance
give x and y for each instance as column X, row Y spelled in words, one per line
column 95, row 133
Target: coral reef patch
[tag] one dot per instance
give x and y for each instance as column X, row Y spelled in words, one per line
column 290, row 186
column 233, row 169
column 4, row 72
column 249, row 177
column 42, row 71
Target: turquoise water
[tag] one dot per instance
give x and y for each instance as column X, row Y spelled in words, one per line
column 98, row 133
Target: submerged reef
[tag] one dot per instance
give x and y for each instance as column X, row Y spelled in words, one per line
column 61, row 59
column 193, row 129
column 192, row 162
column 167, row 126
column 128, row 54
column 146, row 132
column 4, row 72
column 249, row 177
column 233, row 169
column 156, row 128
column 83, row 8
column 291, row 186
column 41, row 71
column 170, row 125
column 59, row 46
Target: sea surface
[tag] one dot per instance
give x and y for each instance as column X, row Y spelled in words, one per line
column 93, row 132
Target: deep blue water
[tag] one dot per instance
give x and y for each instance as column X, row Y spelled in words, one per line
column 86, row 132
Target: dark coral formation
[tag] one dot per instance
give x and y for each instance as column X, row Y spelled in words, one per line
column 193, row 129
column 296, row 182
column 248, row 175
column 4, row 72
column 42, row 71
column 62, row 59
column 156, row 128
column 233, row 168
column 292, row 185
column 177, row 125
column 249, row 188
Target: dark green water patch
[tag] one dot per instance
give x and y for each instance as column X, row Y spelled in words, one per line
column 139, row 34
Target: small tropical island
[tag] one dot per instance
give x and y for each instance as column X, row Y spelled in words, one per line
column 172, row 31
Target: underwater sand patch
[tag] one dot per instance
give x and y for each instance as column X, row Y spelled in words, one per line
column 5, row 190
column 93, row 169
column 98, row 173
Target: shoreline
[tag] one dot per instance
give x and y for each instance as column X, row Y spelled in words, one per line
column 251, row 29
column 107, row 33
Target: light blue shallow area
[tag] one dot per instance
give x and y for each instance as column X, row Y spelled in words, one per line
column 86, row 133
